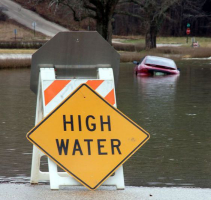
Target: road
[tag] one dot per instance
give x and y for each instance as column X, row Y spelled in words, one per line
column 38, row 192
column 27, row 17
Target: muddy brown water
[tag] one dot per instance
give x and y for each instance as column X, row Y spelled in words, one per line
column 175, row 110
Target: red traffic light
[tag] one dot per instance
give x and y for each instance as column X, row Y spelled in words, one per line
column 188, row 31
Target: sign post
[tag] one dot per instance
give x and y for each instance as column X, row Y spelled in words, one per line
column 15, row 32
column 188, row 31
column 34, row 24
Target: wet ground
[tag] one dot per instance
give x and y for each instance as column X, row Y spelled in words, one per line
column 37, row 192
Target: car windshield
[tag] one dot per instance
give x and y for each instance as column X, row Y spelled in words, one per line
column 153, row 60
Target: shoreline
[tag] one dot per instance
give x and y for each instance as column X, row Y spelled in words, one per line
column 12, row 191
column 18, row 61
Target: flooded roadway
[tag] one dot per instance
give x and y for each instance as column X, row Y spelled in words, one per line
column 174, row 110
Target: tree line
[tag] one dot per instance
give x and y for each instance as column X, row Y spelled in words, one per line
column 148, row 17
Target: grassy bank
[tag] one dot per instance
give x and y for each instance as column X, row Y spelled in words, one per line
column 128, row 52
column 132, row 48
column 175, row 53
column 17, row 51
column 15, row 63
column 203, row 41
column 7, row 32
column 128, row 47
column 21, row 44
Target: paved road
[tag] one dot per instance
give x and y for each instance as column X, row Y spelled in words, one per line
column 39, row 192
column 27, row 17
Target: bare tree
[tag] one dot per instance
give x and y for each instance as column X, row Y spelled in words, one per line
column 100, row 10
column 152, row 13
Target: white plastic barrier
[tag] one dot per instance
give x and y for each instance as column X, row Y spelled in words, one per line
column 48, row 100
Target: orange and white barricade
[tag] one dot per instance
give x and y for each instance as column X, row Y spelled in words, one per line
column 51, row 92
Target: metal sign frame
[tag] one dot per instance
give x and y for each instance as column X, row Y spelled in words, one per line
column 74, row 50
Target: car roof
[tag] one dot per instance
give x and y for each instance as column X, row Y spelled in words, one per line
column 155, row 60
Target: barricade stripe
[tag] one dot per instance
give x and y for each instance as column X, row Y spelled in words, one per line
column 54, row 89
column 94, row 84
column 46, row 84
column 110, row 97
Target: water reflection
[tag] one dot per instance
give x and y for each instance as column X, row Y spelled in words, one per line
column 155, row 108
column 157, row 93
column 158, row 85
column 160, row 105
column 17, row 108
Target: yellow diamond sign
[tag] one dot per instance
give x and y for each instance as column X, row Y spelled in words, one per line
column 88, row 137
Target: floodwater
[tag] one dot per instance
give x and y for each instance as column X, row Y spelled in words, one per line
column 175, row 110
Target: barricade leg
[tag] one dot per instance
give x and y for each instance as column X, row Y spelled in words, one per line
column 120, row 179
column 35, row 165
column 59, row 178
column 36, row 174
column 54, row 177
column 117, row 179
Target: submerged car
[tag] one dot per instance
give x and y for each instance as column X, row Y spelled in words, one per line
column 152, row 65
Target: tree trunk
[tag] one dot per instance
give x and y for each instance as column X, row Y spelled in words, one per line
column 150, row 38
column 104, row 15
column 104, row 28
